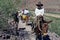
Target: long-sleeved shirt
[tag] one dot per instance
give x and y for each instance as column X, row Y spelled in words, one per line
column 39, row 11
column 26, row 11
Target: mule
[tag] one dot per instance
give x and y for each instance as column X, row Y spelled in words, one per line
column 41, row 27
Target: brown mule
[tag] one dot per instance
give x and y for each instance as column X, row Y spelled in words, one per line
column 45, row 28
column 41, row 26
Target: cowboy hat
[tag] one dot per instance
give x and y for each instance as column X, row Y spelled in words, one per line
column 39, row 4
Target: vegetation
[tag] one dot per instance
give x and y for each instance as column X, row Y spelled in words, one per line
column 7, row 8
column 55, row 25
column 54, row 13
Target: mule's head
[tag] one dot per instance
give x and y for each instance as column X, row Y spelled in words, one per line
column 45, row 28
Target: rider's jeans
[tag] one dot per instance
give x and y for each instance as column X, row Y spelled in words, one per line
column 39, row 37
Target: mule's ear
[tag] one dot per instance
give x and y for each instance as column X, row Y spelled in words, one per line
column 49, row 21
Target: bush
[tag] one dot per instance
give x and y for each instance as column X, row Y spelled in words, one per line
column 7, row 8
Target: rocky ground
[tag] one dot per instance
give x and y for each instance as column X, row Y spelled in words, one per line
column 25, row 34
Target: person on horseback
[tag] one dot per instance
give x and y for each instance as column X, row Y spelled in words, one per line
column 26, row 15
column 39, row 12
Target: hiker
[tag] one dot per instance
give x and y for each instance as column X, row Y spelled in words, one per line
column 16, row 19
column 39, row 12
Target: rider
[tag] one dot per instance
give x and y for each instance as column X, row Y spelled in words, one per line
column 26, row 12
column 39, row 11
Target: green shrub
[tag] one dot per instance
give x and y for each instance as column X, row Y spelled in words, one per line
column 55, row 25
column 7, row 8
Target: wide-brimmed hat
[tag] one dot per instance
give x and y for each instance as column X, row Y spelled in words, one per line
column 39, row 4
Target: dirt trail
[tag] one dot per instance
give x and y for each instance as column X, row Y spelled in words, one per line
column 53, row 15
column 28, row 28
